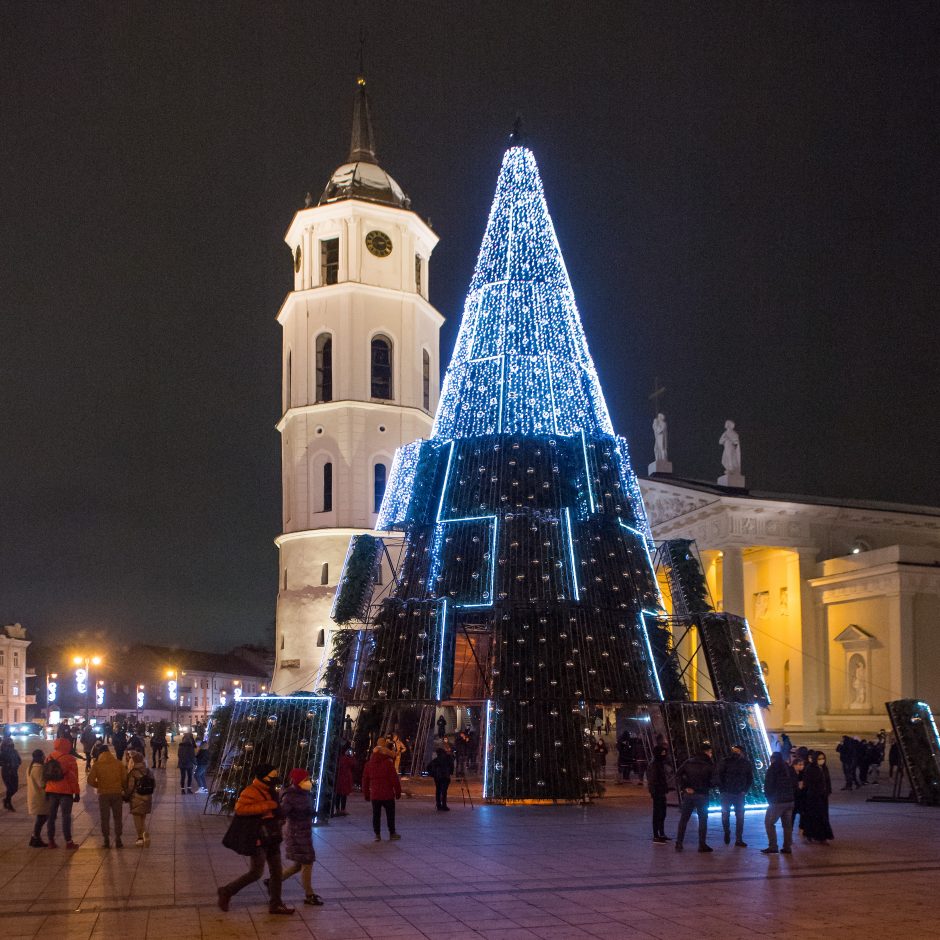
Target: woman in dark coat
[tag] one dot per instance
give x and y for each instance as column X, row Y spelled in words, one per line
column 296, row 808
column 344, row 782
column 186, row 761
column 817, row 787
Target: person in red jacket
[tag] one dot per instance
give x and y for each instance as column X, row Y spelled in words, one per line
column 381, row 785
column 63, row 791
column 344, row 782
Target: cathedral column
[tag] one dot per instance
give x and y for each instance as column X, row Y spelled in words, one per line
column 732, row 581
column 901, row 639
column 811, row 665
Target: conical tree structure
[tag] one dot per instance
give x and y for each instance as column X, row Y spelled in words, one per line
column 522, row 517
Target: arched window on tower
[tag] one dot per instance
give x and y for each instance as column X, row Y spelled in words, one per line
column 327, row 487
column 287, row 382
column 381, row 372
column 324, row 367
column 380, row 474
column 426, row 379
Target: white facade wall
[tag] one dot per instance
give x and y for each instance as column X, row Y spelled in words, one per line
column 354, row 432
column 12, row 676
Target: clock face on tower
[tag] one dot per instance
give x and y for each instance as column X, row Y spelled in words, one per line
column 379, row 244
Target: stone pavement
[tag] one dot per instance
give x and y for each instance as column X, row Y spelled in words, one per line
column 490, row 872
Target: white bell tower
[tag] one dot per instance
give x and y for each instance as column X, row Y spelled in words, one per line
column 360, row 377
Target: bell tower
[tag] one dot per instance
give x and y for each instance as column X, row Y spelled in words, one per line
column 360, row 363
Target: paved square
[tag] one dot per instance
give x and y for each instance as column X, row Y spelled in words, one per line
column 507, row 872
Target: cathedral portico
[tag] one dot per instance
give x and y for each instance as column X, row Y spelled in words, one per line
column 843, row 598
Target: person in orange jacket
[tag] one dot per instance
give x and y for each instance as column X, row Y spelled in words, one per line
column 259, row 798
column 381, row 785
column 60, row 772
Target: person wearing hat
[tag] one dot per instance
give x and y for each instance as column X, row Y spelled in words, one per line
column 735, row 776
column 658, row 783
column 259, row 799
column 296, row 808
column 380, row 785
column 695, row 778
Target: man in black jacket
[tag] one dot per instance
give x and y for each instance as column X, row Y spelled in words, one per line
column 658, row 785
column 695, row 778
column 735, row 776
column 780, row 789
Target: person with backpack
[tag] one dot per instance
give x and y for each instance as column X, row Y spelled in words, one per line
column 109, row 777
column 37, row 803
column 9, row 770
column 441, row 769
column 298, row 811
column 139, row 793
column 60, row 774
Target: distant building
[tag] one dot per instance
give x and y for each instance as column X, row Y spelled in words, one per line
column 843, row 596
column 13, row 697
column 149, row 682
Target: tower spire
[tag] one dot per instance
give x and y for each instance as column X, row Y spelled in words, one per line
column 362, row 143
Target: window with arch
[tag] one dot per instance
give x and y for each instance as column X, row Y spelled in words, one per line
column 287, row 382
column 380, row 475
column 426, row 379
column 381, row 371
column 324, row 367
column 327, row 487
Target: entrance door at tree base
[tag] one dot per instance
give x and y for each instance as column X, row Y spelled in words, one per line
column 471, row 665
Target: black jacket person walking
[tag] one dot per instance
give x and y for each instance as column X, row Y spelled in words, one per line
column 658, row 783
column 735, row 776
column 695, row 778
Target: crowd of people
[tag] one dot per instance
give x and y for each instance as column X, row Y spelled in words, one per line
column 797, row 787
column 797, row 793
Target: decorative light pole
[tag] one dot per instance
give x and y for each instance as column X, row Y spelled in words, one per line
column 83, row 675
column 172, row 688
column 52, row 693
column 141, row 698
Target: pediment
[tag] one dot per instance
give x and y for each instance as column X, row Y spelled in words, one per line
column 854, row 634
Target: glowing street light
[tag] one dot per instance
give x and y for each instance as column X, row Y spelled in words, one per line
column 82, row 674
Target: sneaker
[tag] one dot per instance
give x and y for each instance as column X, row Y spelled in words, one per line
column 71, row 845
column 223, row 898
column 377, row 838
column 705, row 848
column 314, row 900
column 768, row 851
column 660, row 840
column 727, row 838
column 139, row 843
column 280, row 909
column 740, row 844
column 37, row 843
column 393, row 837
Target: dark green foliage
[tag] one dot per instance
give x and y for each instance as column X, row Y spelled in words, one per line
column 690, row 724
column 358, row 579
column 916, row 734
column 732, row 660
column 217, row 734
column 686, row 580
column 667, row 666
column 337, row 664
column 539, row 751
column 287, row 732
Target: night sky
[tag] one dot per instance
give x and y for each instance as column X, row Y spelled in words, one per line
column 746, row 195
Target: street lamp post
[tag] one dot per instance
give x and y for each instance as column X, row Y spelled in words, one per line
column 85, row 662
column 172, row 687
column 52, row 693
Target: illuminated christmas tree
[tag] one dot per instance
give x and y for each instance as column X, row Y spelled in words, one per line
column 521, row 517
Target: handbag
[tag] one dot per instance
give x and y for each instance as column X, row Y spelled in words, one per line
column 242, row 835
